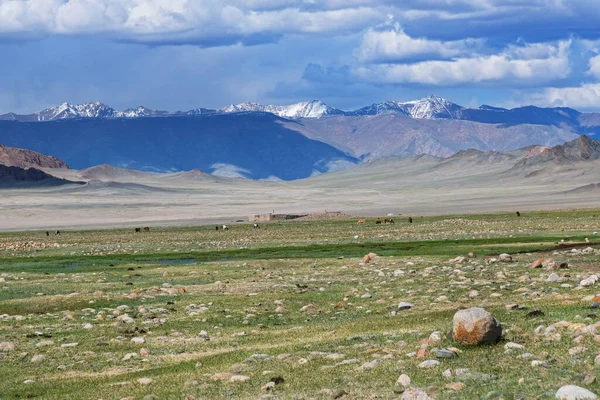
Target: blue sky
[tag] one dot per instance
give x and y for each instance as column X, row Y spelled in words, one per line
column 183, row 54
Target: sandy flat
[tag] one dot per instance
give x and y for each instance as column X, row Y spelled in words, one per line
column 401, row 186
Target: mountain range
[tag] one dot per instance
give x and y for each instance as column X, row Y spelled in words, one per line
column 431, row 107
column 253, row 141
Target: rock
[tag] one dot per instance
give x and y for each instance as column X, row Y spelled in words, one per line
column 403, row 380
column 239, row 378
column 308, row 308
column 597, row 360
column 7, row 346
column 144, row 352
column 456, row 386
column 138, row 340
column 505, row 257
column 473, row 293
column 144, row 381
column 370, row 365
column 405, row 306
column 553, row 277
column 589, row 281
column 476, row 326
column 414, row 393
column 37, row 358
column 446, row 353
column 429, row 364
column 539, row 263
column 495, row 394
column 572, row 392
column 513, row 346
column 129, row 356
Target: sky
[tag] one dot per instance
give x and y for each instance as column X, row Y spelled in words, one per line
column 185, row 54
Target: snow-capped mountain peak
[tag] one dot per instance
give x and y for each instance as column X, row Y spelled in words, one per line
column 431, row 107
column 67, row 110
column 307, row 109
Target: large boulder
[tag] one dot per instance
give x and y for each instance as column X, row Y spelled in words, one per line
column 476, row 326
column 572, row 392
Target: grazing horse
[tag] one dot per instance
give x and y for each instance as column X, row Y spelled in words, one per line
column 378, row 222
column 225, row 228
column 388, row 221
column 256, row 226
column 217, row 227
column 146, row 229
column 138, row 229
column 518, row 214
column 410, row 220
column 47, row 233
column 360, row 222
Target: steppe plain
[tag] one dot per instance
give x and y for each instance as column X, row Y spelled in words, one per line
column 197, row 313
column 293, row 310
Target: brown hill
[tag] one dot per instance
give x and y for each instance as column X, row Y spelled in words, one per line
column 10, row 176
column 22, row 158
column 581, row 149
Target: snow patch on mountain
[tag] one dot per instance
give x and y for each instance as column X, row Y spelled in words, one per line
column 307, row 109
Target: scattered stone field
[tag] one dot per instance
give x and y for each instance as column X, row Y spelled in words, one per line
column 452, row 307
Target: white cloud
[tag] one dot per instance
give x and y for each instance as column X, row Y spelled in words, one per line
column 395, row 45
column 595, row 67
column 586, row 96
column 153, row 20
column 509, row 66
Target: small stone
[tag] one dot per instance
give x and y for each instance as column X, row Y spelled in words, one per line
column 572, row 392
column 447, row 373
column 37, row 358
column 446, row 353
column 144, row 352
column 505, row 257
column 405, row 306
column 414, row 393
column 7, row 347
column 539, row 263
column 239, row 378
column 403, row 380
column 138, row 340
column 495, row 394
column 144, row 381
column 553, row 277
column 429, row 364
column 456, row 386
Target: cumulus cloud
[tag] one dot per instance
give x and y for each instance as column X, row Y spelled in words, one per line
column 595, row 67
column 525, row 66
column 191, row 21
column 380, row 46
column 585, row 96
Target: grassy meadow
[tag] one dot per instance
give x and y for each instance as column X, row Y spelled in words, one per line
column 200, row 313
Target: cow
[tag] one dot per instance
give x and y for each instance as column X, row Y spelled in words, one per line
column 138, row 229
column 256, row 226
column 225, row 228
column 57, row 233
column 378, row 222
column 360, row 222
column 146, row 229
column 518, row 214
column 410, row 220
column 388, row 221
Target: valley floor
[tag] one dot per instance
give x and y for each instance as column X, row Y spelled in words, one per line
column 196, row 313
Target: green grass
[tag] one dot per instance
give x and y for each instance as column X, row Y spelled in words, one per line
column 241, row 276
